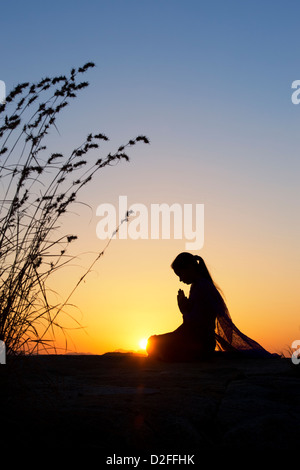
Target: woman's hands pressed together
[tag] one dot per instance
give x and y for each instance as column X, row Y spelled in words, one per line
column 183, row 302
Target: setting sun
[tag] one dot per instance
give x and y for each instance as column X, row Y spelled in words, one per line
column 143, row 343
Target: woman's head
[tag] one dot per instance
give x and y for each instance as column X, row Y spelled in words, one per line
column 190, row 267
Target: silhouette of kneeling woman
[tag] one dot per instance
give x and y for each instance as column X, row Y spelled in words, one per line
column 207, row 325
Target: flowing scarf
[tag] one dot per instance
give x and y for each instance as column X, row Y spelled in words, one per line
column 230, row 339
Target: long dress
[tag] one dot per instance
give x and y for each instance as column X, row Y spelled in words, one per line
column 207, row 327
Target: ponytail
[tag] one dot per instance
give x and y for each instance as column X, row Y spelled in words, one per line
column 184, row 260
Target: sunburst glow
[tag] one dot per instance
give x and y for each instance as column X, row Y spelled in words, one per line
column 143, row 343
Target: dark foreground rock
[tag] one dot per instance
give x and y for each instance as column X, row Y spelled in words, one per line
column 124, row 404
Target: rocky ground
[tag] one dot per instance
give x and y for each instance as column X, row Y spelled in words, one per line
column 124, row 404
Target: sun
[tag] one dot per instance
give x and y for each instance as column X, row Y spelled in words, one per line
column 143, row 343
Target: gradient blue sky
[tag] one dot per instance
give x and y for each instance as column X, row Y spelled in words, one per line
column 209, row 82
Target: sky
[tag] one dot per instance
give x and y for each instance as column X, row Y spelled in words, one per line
column 209, row 83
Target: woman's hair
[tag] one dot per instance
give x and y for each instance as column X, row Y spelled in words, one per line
column 186, row 260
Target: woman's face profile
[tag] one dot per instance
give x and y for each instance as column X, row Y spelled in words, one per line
column 186, row 275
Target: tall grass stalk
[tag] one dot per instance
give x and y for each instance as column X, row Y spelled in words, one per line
column 36, row 188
